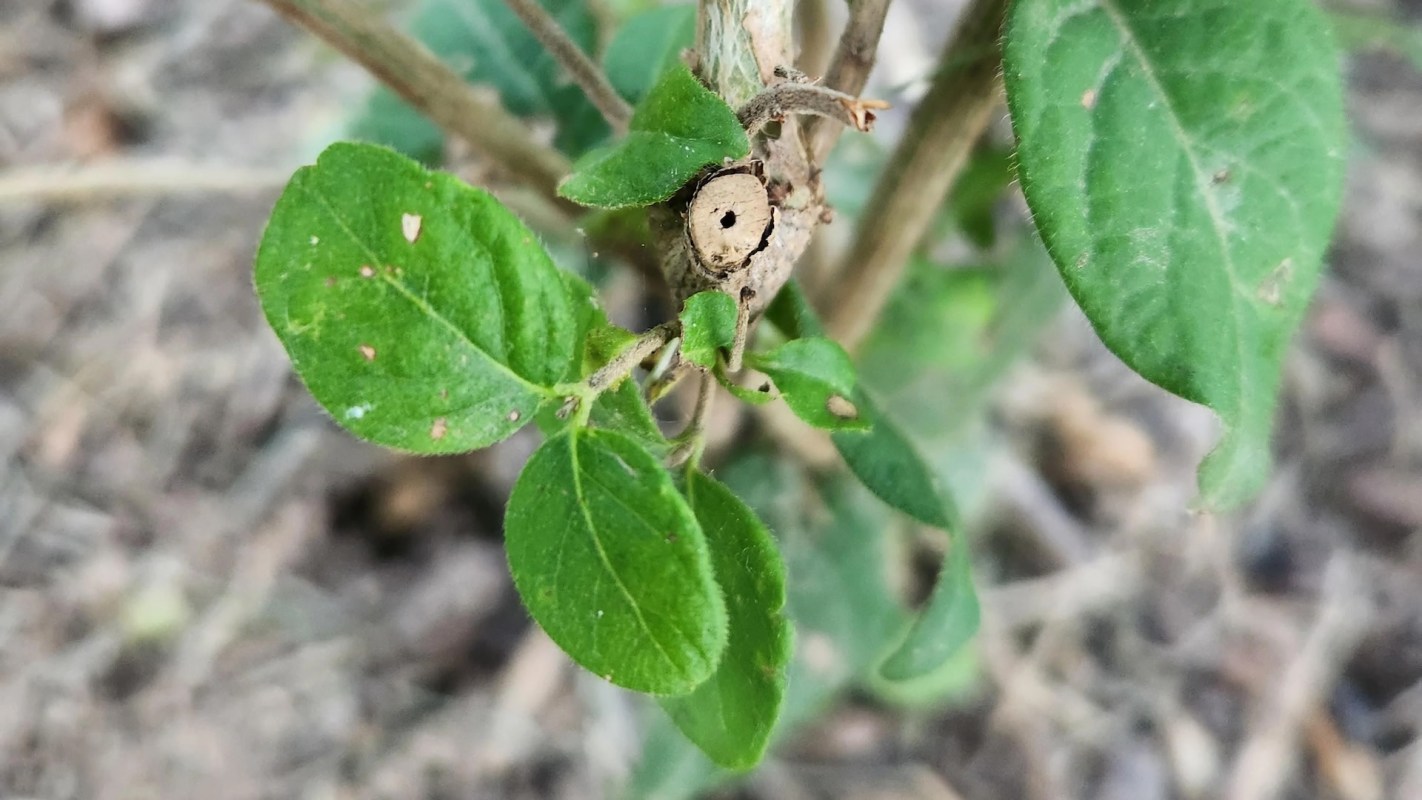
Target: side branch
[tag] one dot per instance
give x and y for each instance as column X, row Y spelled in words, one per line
column 784, row 99
column 419, row 78
column 571, row 58
column 941, row 133
column 850, row 66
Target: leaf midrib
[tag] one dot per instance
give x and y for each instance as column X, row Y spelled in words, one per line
column 1217, row 223
column 602, row 553
column 419, row 302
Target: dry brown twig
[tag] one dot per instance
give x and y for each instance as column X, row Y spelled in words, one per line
column 579, row 67
column 849, row 68
column 941, row 133
column 411, row 71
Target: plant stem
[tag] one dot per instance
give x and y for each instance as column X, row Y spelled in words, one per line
column 419, row 78
column 740, row 43
column 693, row 438
column 849, row 68
column 806, row 98
column 940, row 135
column 577, row 64
column 626, row 361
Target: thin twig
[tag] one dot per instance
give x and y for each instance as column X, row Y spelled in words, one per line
column 783, row 99
column 941, row 133
column 577, row 64
column 419, row 78
column 692, row 438
column 626, row 361
column 105, row 179
column 849, row 69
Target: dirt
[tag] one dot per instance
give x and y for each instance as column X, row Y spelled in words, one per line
column 206, row 589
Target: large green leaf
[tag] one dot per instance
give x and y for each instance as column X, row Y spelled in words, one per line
column 420, row 313
column 487, row 44
column 611, row 562
column 816, row 378
column 679, row 129
column 1183, row 162
column 731, row 715
column 645, row 45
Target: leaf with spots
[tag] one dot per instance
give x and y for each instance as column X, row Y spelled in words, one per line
column 1183, row 163
column 680, row 128
column 816, row 378
column 731, row 716
column 419, row 312
column 612, row 564
column 708, row 324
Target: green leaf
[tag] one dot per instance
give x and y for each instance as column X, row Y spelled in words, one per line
column 790, row 311
column 816, row 378
column 680, row 128
column 487, row 44
column 731, row 715
column 611, row 563
column 1183, row 163
column 947, row 621
column 622, row 408
column 708, row 323
column 420, row 313
column 645, row 45
column 886, row 462
column 756, row 397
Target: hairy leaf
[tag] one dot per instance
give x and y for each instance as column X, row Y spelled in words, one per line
column 886, row 462
column 420, row 313
column 678, row 129
column 1183, row 162
column 731, row 715
column 612, row 564
column 645, row 45
column 708, row 323
column 816, row 379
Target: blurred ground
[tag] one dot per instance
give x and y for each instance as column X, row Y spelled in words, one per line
column 207, row 590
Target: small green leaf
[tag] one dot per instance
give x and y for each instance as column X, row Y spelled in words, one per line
column 816, row 378
column 790, row 311
column 731, row 715
column 611, row 562
column 487, row 44
column 1183, row 162
column 886, row 462
column 680, row 128
column 622, row 408
column 708, row 323
column 645, row 45
column 947, row 621
column 756, row 397
column 420, row 313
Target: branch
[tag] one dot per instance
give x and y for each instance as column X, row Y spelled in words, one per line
column 941, row 133
column 413, row 73
column 850, row 67
column 788, row 98
column 626, row 361
column 577, row 64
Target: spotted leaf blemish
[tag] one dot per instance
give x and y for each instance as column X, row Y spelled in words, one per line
column 410, row 226
column 367, row 352
column 439, row 429
column 358, row 412
column 367, row 271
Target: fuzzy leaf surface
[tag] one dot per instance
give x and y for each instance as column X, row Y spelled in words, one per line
column 816, row 378
column 610, row 561
column 678, row 129
column 731, row 716
column 1183, row 163
column 708, row 323
column 420, row 312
